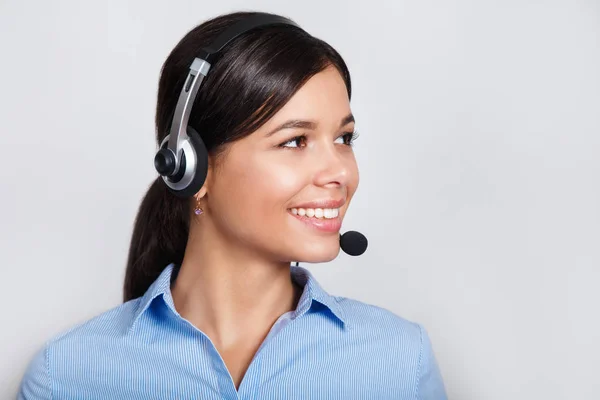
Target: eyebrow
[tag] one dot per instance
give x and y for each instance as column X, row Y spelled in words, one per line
column 305, row 124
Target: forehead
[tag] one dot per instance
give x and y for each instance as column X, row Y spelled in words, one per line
column 323, row 98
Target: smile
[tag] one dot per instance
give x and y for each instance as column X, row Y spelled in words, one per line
column 327, row 213
column 326, row 220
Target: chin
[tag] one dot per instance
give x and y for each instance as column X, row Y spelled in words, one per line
column 319, row 253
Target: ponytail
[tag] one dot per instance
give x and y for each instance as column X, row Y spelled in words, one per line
column 159, row 238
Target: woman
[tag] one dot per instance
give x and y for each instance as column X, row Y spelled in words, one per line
column 212, row 308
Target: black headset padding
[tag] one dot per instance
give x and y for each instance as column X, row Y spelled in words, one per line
column 201, row 165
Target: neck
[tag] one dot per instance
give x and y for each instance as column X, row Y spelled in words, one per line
column 229, row 292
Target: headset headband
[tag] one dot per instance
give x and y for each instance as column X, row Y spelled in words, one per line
column 168, row 160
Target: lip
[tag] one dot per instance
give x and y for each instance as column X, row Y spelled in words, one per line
column 325, row 203
column 332, row 225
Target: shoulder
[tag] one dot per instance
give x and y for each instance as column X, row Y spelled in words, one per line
column 113, row 322
column 402, row 345
column 385, row 333
column 361, row 315
column 63, row 348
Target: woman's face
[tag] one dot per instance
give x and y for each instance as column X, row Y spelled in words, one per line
column 299, row 162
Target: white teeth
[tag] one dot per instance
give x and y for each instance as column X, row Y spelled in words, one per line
column 327, row 213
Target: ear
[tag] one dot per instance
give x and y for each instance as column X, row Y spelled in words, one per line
column 207, row 182
column 201, row 193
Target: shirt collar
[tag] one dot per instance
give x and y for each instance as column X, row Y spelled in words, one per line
column 311, row 292
column 314, row 292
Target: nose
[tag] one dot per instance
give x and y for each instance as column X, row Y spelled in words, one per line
column 334, row 166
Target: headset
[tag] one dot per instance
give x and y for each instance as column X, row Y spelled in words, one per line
column 182, row 160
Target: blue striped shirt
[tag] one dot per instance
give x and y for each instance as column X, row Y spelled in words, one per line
column 328, row 348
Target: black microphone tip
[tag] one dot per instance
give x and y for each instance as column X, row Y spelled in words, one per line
column 353, row 243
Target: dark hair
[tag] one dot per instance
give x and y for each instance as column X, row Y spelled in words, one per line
column 254, row 78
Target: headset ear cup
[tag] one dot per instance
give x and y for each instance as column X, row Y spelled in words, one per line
column 201, row 165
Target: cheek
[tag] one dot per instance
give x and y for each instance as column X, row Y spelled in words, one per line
column 266, row 185
column 256, row 194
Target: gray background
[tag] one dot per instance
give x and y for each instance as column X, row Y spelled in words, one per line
column 478, row 150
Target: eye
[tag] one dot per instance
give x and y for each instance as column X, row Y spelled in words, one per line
column 295, row 141
column 348, row 138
